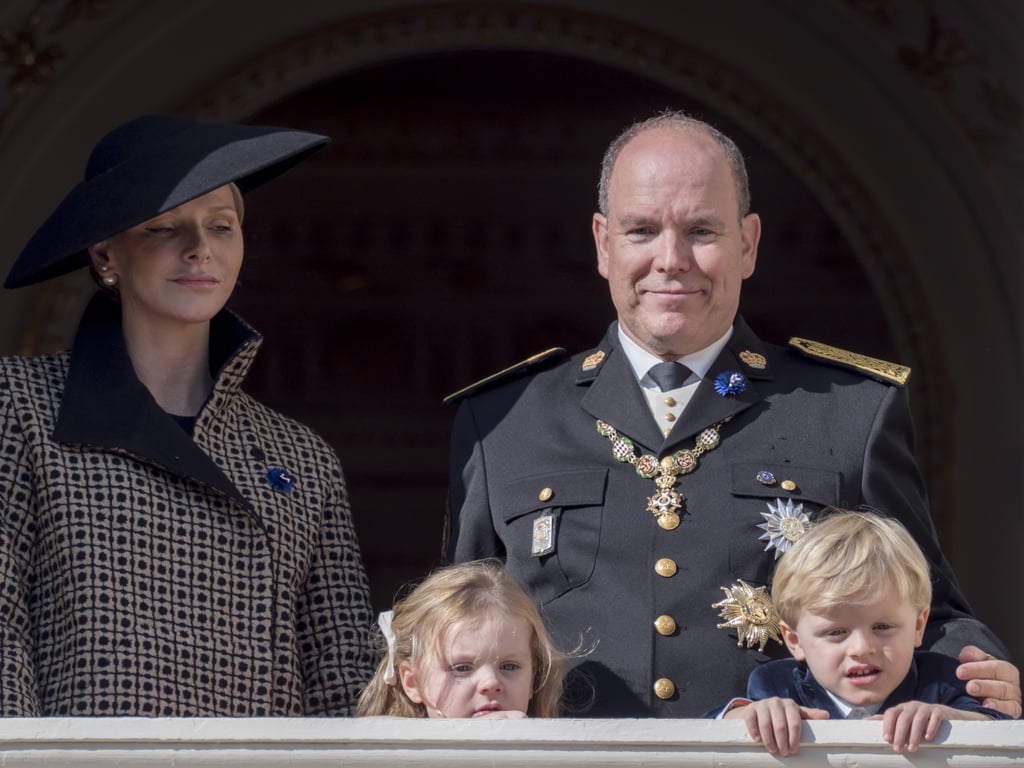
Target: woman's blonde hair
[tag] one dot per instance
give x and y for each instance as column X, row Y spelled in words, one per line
column 448, row 595
column 848, row 556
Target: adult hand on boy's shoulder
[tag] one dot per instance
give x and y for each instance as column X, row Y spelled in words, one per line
column 906, row 725
column 994, row 682
column 775, row 722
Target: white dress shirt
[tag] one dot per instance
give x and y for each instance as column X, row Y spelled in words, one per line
column 667, row 406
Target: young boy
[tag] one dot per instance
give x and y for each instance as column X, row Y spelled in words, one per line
column 853, row 596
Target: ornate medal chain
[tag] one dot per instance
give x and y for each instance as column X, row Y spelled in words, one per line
column 664, row 504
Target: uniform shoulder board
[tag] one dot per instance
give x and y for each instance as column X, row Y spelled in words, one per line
column 548, row 356
column 880, row 370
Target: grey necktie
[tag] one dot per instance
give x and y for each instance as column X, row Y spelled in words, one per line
column 669, row 375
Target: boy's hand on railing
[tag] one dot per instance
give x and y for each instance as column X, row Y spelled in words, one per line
column 775, row 722
column 906, row 725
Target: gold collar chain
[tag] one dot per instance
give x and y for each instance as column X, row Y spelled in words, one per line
column 664, row 504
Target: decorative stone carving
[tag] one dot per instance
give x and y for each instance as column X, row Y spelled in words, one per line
column 33, row 50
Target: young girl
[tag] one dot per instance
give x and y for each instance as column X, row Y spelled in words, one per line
column 466, row 642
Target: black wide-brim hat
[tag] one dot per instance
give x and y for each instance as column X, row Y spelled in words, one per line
column 146, row 167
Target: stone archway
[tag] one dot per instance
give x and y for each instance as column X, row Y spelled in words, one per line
column 453, row 241
column 783, row 75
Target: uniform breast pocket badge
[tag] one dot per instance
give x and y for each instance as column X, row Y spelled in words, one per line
column 543, row 541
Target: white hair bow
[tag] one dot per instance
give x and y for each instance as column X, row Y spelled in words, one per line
column 384, row 622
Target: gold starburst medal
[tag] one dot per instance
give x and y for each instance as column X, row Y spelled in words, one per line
column 751, row 613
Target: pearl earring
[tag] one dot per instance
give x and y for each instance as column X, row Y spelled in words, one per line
column 109, row 280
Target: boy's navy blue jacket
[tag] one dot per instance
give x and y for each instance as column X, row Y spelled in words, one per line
column 932, row 678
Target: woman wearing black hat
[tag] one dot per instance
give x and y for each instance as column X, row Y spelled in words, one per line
column 168, row 545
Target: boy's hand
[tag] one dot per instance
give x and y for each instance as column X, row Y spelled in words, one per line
column 776, row 722
column 995, row 683
column 907, row 725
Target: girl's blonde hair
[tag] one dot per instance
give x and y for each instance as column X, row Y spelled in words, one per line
column 448, row 595
column 848, row 556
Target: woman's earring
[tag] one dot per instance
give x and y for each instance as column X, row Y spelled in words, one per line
column 109, row 280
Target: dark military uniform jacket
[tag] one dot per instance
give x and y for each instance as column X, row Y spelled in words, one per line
column 144, row 572
column 534, row 481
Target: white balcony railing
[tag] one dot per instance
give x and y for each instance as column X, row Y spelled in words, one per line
column 394, row 743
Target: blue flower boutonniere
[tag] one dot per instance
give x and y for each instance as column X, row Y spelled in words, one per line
column 280, row 479
column 730, row 383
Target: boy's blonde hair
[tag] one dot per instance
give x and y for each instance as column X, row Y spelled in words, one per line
column 474, row 590
column 848, row 556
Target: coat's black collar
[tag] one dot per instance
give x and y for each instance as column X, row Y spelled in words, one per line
column 106, row 406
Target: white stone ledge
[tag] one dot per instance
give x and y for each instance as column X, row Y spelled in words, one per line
column 395, row 743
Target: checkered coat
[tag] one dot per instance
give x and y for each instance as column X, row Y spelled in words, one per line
column 144, row 572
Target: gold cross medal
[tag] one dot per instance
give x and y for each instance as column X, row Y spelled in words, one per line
column 666, row 502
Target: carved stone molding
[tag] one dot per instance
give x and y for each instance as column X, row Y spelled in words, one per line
column 931, row 46
column 35, row 47
column 909, row 43
column 365, row 40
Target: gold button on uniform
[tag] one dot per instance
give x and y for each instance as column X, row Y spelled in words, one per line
column 670, row 417
column 664, row 688
column 665, row 625
column 788, row 485
column 670, row 401
column 666, row 567
column 545, row 494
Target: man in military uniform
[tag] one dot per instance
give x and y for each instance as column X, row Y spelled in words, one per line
column 642, row 490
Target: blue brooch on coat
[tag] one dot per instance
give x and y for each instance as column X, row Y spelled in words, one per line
column 280, row 479
column 730, row 383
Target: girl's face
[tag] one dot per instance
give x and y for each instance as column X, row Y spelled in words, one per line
column 179, row 267
column 484, row 668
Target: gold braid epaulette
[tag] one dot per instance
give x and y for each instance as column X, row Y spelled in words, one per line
column 880, row 370
column 555, row 354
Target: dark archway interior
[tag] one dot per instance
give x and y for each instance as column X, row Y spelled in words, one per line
column 445, row 234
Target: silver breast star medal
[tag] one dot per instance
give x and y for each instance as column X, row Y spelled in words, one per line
column 784, row 525
column 751, row 613
column 666, row 502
